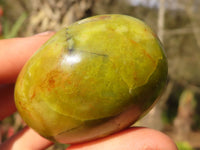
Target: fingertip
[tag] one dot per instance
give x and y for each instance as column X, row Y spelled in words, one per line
column 26, row 139
column 133, row 138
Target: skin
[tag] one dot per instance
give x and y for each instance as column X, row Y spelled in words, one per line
column 13, row 55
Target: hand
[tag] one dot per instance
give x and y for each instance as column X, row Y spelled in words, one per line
column 13, row 55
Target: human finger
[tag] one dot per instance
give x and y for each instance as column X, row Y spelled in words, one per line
column 131, row 139
column 26, row 139
column 15, row 52
column 13, row 55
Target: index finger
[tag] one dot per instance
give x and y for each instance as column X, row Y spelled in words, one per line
column 15, row 52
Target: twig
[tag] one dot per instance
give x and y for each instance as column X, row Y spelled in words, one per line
column 161, row 19
column 193, row 23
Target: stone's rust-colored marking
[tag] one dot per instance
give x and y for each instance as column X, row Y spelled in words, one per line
column 51, row 82
column 143, row 51
column 104, row 17
column 34, row 94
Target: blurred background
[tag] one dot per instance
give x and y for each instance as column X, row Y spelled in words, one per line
column 177, row 24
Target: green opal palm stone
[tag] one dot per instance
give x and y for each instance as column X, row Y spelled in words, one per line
column 91, row 79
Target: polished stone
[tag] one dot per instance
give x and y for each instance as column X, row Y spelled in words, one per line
column 91, row 79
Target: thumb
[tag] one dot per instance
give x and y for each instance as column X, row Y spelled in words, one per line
column 15, row 52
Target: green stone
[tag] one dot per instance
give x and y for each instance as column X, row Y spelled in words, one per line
column 91, row 79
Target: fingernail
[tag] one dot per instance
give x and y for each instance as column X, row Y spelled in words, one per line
column 44, row 33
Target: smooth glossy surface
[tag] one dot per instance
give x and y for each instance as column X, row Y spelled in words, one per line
column 91, row 79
